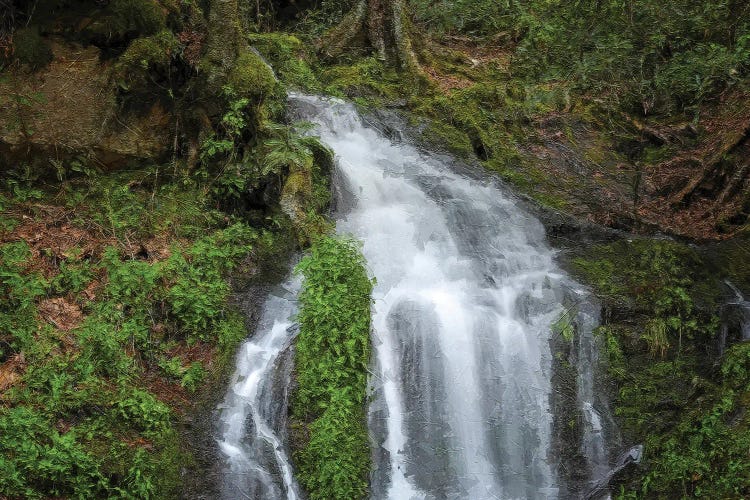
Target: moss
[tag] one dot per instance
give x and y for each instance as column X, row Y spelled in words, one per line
column 286, row 54
column 368, row 76
column 31, row 49
column 636, row 272
column 144, row 55
column 251, row 76
column 145, row 17
column 444, row 136
column 298, row 186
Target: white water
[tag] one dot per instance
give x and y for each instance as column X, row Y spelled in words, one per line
column 743, row 306
column 253, row 415
column 467, row 289
column 735, row 319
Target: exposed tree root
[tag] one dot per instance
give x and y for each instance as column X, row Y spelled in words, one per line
column 381, row 24
column 711, row 166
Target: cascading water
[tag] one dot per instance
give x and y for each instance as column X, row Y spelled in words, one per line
column 735, row 316
column 466, row 291
column 254, row 410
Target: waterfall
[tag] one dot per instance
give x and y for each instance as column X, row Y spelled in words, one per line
column 253, row 415
column 467, row 290
column 735, row 319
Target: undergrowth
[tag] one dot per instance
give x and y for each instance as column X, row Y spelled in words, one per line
column 674, row 392
column 111, row 318
column 331, row 358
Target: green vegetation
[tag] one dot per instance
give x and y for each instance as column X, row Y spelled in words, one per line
column 645, row 56
column 136, row 16
column 114, row 306
column 332, row 356
column 659, row 330
column 90, row 325
column 31, row 49
column 144, row 56
column 287, row 56
column 251, row 76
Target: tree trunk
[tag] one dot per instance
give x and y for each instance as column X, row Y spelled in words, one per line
column 224, row 43
column 381, row 24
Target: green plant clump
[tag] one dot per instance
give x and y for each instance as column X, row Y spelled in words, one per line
column 31, row 49
column 143, row 55
column 251, row 76
column 80, row 416
column 332, row 355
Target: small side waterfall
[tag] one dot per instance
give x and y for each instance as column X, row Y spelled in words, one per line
column 735, row 319
column 594, row 412
column 253, row 416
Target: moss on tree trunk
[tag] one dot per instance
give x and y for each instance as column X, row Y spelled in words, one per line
column 383, row 25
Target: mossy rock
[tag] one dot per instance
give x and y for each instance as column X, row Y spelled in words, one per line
column 31, row 49
column 279, row 45
column 143, row 55
column 296, row 192
column 124, row 20
column 286, row 54
column 443, row 136
column 145, row 17
column 368, row 77
column 251, row 76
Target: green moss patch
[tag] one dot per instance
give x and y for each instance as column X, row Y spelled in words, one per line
column 144, row 55
column 332, row 356
column 31, row 49
column 251, row 76
column 287, row 54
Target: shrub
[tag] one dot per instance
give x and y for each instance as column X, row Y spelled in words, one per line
column 73, row 277
column 198, row 295
column 20, row 289
column 31, row 49
column 143, row 411
column 37, row 461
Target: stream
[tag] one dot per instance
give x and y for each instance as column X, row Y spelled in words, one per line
column 467, row 292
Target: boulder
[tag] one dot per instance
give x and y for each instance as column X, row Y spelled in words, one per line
column 69, row 109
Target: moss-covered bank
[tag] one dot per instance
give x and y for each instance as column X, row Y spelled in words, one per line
column 674, row 388
column 331, row 448
column 115, row 313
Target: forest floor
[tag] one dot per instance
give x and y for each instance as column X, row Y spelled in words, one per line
column 613, row 170
column 118, row 326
